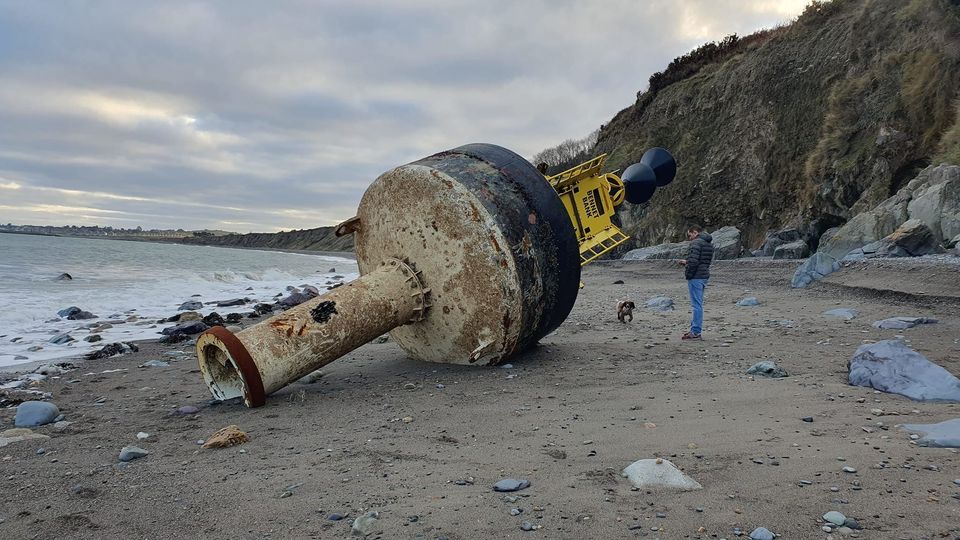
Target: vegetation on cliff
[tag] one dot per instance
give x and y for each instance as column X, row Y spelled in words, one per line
column 806, row 124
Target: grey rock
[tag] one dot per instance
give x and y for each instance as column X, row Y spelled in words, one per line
column 188, row 409
column 842, row 313
column 296, row 298
column 93, row 338
column 793, row 250
column 851, row 523
column 892, row 366
column 35, row 413
column 516, row 511
column 761, row 533
column 510, row 484
column 81, row 315
column 63, row 277
column 659, row 303
column 659, row 252
column 911, row 239
column 174, row 338
column 726, row 243
column 527, row 526
column 902, row 323
column 155, row 363
column 61, row 339
column 66, row 312
column 232, row 302
column 748, row 302
column 188, row 328
column 363, row 525
column 827, row 235
column 766, row 368
column 49, row 370
column 835, row 517
column 659, row 473
column 818, row 266
column 190, row 305
column 776, row 239
column 130, row 453
column 112, row 349
column 944, row 434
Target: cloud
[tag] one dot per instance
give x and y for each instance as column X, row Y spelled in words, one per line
column 243, row 116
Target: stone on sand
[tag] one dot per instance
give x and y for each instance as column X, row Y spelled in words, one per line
column 130, row 453
column 659, row 473
column 748, row 301
column 761, row 533
column 944, row 434
column 816, row 267
column 892, row 366
column 363, row 525
column 660, row 303
column 35, row 413
column 846, row 314
column 510, row 484
column 767, row 368
column 902, row 323
column 11, row 436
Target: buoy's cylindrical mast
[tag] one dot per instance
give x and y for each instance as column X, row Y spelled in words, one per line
column 270, row 355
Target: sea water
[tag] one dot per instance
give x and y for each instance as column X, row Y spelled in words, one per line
column 120, row 280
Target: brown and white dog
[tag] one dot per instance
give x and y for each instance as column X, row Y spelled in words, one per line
column 625, row 310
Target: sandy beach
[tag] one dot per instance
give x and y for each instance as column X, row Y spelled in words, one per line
column 422, row 444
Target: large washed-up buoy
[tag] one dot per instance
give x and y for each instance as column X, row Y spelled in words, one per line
column 466, row 257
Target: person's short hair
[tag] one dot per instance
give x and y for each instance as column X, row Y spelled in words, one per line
column 694, row 228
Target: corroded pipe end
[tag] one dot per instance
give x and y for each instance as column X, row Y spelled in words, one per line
column 228, row 369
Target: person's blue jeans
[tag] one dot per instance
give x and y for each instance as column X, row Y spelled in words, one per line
column 696, row 287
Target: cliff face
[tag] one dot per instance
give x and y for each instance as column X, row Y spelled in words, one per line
column 806, row 125
column 319, row 239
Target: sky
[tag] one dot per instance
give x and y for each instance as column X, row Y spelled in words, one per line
column 265, row 116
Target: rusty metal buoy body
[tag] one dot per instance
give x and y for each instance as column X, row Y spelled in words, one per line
column 466, row 257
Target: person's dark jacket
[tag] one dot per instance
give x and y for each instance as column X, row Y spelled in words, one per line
column 699, row 257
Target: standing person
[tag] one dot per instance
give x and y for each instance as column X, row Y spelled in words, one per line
column 697, row 272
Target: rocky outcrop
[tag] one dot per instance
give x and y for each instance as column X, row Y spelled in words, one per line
column 912, row 239
column 931, row 199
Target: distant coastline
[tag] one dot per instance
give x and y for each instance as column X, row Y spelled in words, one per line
column 320, row 240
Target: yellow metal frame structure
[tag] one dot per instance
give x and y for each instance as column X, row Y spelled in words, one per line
column 590, row 198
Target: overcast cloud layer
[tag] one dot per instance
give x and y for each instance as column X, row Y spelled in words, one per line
column 254, row 116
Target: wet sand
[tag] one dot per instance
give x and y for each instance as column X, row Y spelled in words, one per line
column 569, row 416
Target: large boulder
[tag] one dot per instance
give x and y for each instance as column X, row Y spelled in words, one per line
column 892, row 366
column 793, row 250
column 776, row 239
column 938, row 205
column 662, row 251
column 816, row 267
column 726, row 243
column 914, row 238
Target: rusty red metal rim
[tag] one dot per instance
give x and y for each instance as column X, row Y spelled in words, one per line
column 254, row 392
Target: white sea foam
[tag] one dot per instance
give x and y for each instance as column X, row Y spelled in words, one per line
column 116, row 280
